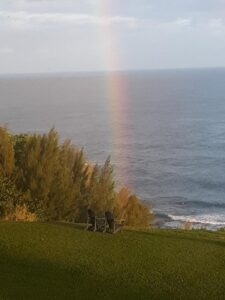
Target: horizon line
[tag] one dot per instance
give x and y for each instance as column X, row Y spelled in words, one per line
column 67, row 73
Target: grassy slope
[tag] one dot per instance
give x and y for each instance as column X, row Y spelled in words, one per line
column 46, row 261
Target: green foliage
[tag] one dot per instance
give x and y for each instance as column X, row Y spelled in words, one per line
column 57, row 182
column 80, row 176
column 102, row 189
column 44, row 172
column 35, row 164
column 9, row 197
column 6, row 153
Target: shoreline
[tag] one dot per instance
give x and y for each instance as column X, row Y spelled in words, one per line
column 164, row 221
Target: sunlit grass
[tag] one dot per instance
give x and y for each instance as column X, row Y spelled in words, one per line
column 51, row 261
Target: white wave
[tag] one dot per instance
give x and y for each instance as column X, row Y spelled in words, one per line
column 215, row 219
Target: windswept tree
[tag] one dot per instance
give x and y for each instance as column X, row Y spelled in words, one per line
column 62, row 205
column 80, row 176
column 102, row 188
column 35, row 164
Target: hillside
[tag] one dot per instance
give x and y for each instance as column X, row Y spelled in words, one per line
column 51, row 261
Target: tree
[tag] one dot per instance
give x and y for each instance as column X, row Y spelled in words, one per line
column 10, row 197
column 65, row 194
column 80, row 175
column 36, row 157
column 6, row 153
column 101, row 190
column 39, row 177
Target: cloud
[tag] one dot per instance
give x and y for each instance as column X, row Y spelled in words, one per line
column 216, row 25
column 6, row 50
column 183, row 22
column 173, row 25
column 30, row 20
column 23, row 19
column 53, row 35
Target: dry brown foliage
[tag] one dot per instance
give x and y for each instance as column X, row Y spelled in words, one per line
column 21, row 213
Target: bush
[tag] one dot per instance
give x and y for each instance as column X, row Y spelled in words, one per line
column 20, row 213
column 130, row 208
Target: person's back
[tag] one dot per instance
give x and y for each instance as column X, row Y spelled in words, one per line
column 91, row 217
column 110, row 219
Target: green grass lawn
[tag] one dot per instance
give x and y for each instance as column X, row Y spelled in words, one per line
column 50, row 261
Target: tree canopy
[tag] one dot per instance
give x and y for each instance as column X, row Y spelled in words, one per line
column 55, row 182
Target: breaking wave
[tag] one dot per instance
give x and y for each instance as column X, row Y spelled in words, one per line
column 206, row 219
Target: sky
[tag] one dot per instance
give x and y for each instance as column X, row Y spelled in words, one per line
column 39, row 36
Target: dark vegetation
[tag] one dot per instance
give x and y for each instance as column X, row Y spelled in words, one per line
column 49, row 261
column 42, row 179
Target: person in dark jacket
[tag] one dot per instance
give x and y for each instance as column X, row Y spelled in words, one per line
column 91, row 219
column 110, row 219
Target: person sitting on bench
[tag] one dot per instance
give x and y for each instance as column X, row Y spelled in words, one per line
column 91, row 220
column 113, row 225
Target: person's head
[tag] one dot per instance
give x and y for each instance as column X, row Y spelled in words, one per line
column 90, row 212
column 108, row 215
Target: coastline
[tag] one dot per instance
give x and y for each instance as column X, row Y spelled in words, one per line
column 164, row 221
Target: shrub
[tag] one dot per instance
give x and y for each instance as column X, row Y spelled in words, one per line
column 130, row 208
column 20, row 213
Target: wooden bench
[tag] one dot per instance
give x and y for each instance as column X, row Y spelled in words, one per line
column 107, row 224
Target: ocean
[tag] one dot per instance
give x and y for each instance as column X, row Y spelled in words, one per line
column 164, row 130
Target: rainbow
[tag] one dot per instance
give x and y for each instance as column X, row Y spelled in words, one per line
column 118, row 98
column 117, row 95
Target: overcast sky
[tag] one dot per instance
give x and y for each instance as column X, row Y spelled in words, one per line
column 89, row 35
